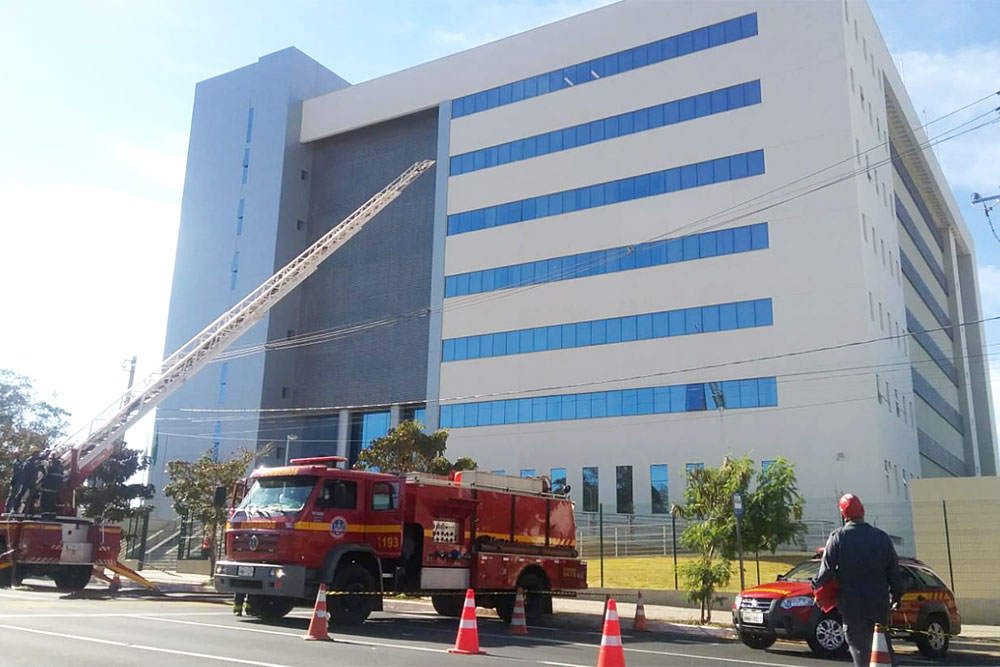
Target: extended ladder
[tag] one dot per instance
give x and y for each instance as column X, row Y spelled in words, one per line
column 83, row 458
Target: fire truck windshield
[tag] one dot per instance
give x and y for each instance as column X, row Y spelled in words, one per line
column 284, row 494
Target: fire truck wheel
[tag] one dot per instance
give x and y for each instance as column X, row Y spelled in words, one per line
column 448, row 605
column 269, row 608
column 535, row 602
column 72, row 577
column 351, row 609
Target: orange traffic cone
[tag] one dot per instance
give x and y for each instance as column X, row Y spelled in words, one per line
column 467, row 641
column 612, row 654
column 317, row 626
column 639, row 625
column 518, row 626
column 880, row 649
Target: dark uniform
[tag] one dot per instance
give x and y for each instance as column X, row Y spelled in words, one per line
column 51, row 483
column 32, row 467
column 16, row 485
column 864, row 563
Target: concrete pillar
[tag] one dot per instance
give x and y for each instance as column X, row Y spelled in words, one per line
column 343, row 432
column 394, row 413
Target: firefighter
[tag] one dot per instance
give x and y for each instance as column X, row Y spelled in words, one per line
column 16, row 484
column 29, row 484
column 51, row 483
column 864, row 563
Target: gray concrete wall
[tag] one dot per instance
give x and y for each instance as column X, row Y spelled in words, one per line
column 210, row 234
column 383, row 272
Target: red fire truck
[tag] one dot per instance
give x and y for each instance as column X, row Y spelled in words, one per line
column 68, row 547
column 365, row 534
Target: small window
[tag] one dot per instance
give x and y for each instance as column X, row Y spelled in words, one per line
column 338, row 494
column 590, row 490
column 558, row 480
column 304, row 175
column 284, row 392
column 528, row 472
column 385, row 495
column 300, row 225
column 623, row 490
column 290, row 334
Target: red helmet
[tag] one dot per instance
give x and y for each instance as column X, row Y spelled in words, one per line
column 851, row 507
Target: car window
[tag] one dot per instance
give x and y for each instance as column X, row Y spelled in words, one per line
column 803, row 571
column 385, row 495
column 910, row 581
column 928, row 578
column 339, row 494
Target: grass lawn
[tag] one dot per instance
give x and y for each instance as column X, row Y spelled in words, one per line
column 657, row 572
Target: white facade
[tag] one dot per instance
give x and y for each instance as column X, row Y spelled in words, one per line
column 830, row 265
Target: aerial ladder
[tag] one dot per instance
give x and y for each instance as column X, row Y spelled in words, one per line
column 70, row 548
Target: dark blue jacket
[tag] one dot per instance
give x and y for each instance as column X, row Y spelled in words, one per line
column 864, row 563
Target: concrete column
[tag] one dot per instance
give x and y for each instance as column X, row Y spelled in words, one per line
column 394, row 412
column 343, row 432
column 960, row 356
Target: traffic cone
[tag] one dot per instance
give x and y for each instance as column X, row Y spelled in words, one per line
column 317, row 626
column 639, row 625
column 518, row 626
column 467, row 641
column 612, row 654
column 880, row 649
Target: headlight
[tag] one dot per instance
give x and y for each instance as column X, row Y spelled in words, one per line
column 800, row 601
column 277, row 573
column 737, row 601
column 219, row 569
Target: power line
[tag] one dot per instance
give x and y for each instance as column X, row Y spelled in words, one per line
column 350, row 329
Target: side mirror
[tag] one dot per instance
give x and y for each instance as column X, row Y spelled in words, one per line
column 219, row 500
column 781, row 577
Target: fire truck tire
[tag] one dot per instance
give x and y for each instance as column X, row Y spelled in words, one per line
column 73, row 577
column 448, row 605
column 534, row 586
column 269, row 608
column 352, row 609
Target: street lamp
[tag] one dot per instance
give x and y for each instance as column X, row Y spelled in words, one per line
column 288, row 445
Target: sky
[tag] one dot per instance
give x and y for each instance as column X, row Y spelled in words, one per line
column 97, row 108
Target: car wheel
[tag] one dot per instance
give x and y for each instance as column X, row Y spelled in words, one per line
column 757, row 641
column 933, row 640
column 448, row 605
column 352, row 609
column 827, row 638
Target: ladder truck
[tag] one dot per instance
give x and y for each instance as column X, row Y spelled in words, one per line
column 70, row 548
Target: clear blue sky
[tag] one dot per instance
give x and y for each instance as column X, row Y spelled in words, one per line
column 97, row 105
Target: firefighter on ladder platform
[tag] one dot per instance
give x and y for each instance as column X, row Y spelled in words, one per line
column 864, row 564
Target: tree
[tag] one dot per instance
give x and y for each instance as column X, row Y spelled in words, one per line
column 708, row 508
column 109, row 495
column 192, row 488
column 772, row 517
column 406, row 448
column 774, row 510
column 27, row 425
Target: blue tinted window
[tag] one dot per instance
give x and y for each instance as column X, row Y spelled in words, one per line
column 762, row 313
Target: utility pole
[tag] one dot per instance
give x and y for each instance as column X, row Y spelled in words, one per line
column 979, row 199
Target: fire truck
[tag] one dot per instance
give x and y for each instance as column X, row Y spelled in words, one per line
column 70, row 548
column 366, row 534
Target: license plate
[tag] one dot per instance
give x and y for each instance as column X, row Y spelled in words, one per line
column 752, row 616
column 244, row 570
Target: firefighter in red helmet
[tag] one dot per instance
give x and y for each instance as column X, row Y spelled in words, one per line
column 863, row 561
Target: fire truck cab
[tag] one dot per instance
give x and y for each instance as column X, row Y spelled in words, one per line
column 365, row 534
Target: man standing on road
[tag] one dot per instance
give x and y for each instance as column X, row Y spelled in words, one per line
column 864, row 563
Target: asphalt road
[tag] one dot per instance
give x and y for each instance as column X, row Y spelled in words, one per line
column 40, row 627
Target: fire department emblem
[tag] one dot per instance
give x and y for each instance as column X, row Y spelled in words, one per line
column 338, row 527
column 253, row 542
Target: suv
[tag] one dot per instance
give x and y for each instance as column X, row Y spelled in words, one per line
column 785, row 609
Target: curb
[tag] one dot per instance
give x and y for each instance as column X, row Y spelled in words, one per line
column 564, row 619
